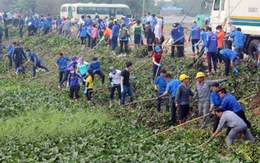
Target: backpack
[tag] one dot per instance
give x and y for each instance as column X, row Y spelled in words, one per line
column 123, row 34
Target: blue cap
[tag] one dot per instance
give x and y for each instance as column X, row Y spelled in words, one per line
column 157, row 49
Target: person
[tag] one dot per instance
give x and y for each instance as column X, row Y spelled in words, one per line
column 158, row 32
column 114, row 36
column 20, row 70
column 30, row 29
column 89, row 84
column 203, row 39
column 2, row 47
column 94, row 35
column 215, row 102
column 20, row 26
column 36, row 61
column 149, row 34
column 73, row 64
column 229, row 57
column 18, row 56
column 95, row 66
column 182, row 98
column 239, row 40
column 157, row 60
column 160, row 87
column 106, row 35
column 171, row 87
column 202, row 92
column 66, row 25
column 10, row 52
column 61, row 64
column 1, row 33
column 230, row 40
column 58, row 24
column 236, row 124
column 144, row 20
column 229, row 102
column 212, row 41
column 124, row 35
column 89, row 21
column 137, row 30
column 177, row 40
column 125, row 85
column 153, row 21
column 82, row 67
column 36, row 23
column 49, row 22
column 194, row 36
column 114, row 78
column 82, row 33
column 73, row 83
column 220, row 33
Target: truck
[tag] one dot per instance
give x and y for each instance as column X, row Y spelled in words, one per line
column 244, row 14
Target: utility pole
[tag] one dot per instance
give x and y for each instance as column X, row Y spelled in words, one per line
column 143, row 7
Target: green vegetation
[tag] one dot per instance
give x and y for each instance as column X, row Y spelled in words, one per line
column 40, row 123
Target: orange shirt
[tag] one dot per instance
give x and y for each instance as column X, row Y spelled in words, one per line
column 220, row 38
column 107, row 32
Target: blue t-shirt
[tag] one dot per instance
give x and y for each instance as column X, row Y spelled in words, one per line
column 229, row 102
column 195, row 32
column 172, row 86
column 74, row 79
column 32, row 56
column 10, row 50
column 203, row 37
column 215, row 99
column 212, row 43
column 230, row 54
column 62, row 63
column 162, row 84
column 115, row 30
column 20, row 70
column 95, row 66
column 239, row 38
column 82, row 31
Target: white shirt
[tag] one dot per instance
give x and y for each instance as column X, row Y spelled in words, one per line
column 115, row 77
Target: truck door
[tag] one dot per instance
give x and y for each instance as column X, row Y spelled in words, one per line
column 218, row 13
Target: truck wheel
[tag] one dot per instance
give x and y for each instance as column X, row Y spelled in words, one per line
column 253, row 48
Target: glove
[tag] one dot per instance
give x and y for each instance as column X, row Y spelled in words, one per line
column 86, row 90
column 122, row 89
column 68, row 85
column 112, row 84
column 110, row 37
column 84, row 80
column 205, row 50
column 190, row 29
column 133, row 77
column 235, row 70
column 196, row 44
column 100, row 41
column 258, row 62
column 172, row 41
column 212, row 138
column 165, row 47
column 159, row 65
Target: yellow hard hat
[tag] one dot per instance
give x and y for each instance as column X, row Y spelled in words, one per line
column 200, row 74
column 183, row 76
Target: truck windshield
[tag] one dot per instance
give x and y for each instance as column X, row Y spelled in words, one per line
column 216, row 4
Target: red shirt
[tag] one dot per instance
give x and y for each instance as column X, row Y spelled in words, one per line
column 157, row 57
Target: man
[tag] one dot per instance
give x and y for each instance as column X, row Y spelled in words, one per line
column 66, row 24
column 160, row 87
column 171, row 87
column 10, row 52
column 114, row 78
column 220, row 33
column 61, row 64
column 149, row 34
column 58, row 24
column 229, row 102
column 229, row 57
column 114, row 36
column 212, row 41
column 95, row 66
column 195, row 36
column 126, row 87
column 236, row 124
column 153, row 21
column 177, row 39
column 232, row 29
column 215, row 102
column 203, row 38
column 202, row 91
column 49, row 22
column 158, row 32
column 239, row 40
column 18, row 56
column 20, row 26
column 36, row 61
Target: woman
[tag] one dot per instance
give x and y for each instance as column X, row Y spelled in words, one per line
column 137, row 30
column 82, row 67
column 157, row 59
column 182, row 98
column 73, row 83
column 82, row 33
column 89, row 85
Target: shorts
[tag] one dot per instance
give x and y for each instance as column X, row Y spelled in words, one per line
column 183, row 111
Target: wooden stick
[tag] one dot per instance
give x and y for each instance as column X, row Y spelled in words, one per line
column 178, row 126
column 206, row 142
column 247, row 98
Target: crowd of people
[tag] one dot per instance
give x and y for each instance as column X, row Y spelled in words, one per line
column 177, row 91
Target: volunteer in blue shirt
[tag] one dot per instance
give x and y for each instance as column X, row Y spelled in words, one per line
column 230, row 103
column 239, row 40
column 171, row 87
column 160, row 87
column 177, row 39
column 229, row 57
column 115, row 32
column 195, row 36
column 61, row 64
column 82, row 32
column 212, row 45
column 95, row 66
column 10, row 51
column 203, row 39
column 215, row 102
column 89, row 21
column 73, row 63
column 36, row 61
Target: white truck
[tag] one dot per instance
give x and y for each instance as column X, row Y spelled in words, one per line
column 244, row 14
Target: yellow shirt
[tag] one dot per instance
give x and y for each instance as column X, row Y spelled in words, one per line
column 89, row 82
